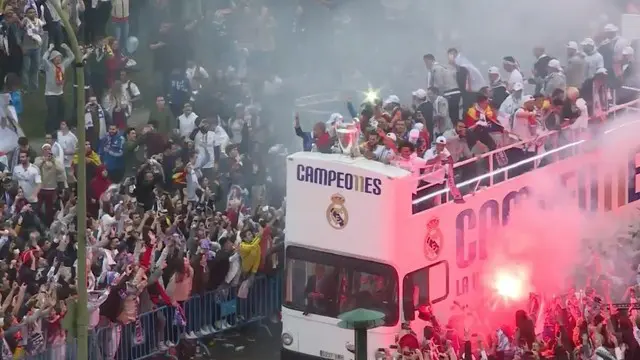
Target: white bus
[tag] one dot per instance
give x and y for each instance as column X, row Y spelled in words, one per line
column 358, row 237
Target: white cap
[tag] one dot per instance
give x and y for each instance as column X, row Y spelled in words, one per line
column 554, row 63
column 527, row 98
column 518, row 86
column 418, row 126
column 494, row 70
column 414, row 134
column 628, row 51
column 572, row 45
column 335, row 118
column 610, row 28
column 420, row 94
column 588, row 42
column 441, row 140
column 391, row 99
column 601, row 71
column 392, row 136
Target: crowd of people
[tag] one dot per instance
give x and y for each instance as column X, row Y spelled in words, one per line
column 193, row 200
column 461, row 115
column 189, row 201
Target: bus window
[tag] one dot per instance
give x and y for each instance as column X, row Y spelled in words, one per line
column 328, row 284
column 368, row 291
column 423, row 286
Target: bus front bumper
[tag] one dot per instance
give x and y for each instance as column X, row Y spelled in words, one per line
column 286, row 354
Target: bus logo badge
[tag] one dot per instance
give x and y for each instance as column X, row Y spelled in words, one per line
column 337, row 215
column 433, row 240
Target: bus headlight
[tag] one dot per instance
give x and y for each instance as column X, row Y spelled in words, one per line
column 287, row 339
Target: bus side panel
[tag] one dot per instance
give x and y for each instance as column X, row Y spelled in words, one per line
column 461, row 233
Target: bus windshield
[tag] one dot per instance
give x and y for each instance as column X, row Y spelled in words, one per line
column 329, row 285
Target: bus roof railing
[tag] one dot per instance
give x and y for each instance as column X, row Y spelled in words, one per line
column 489, row 156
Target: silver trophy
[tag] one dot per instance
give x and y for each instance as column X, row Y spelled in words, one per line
column 348, row 135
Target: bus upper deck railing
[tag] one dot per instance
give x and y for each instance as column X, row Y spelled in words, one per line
column 572, row 148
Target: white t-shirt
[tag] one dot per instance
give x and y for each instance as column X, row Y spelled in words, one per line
column 187, row 124
column 386, row 155
column 58, row 152
column 431, row 154
column 435, row 173
column 28, row 179
column 236, row 126
column 514, row 77
column 130, row 90
column 521, row 126
column 196, row 70
column 69, row 142
column 192, row 186
column 413, row 164
column 205, row 143
column 582, row 122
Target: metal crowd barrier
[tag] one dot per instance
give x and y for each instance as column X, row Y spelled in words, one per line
column 157, row 333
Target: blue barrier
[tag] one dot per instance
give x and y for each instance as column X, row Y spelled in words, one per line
column 157, row 333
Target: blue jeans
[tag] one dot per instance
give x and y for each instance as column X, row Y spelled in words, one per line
column 30, row 68
column 56, row 36
column 43, row 49
column 121, row 33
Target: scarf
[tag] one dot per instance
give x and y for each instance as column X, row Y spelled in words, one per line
column 603, row 353
column 179, row 177
column 95, row 119
column 59, row 75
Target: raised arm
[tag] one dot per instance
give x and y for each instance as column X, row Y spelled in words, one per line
column 68, row 56
column 47, row 55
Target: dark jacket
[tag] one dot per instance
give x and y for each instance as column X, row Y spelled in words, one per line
column 323, row 143
column 498, row 95
column 218, row 269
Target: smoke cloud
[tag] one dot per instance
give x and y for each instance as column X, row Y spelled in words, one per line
column 553, row 248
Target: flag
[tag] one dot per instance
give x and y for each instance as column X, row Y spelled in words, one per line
column 179, row 318
column 180, row 177
column 451, row 183
column 6, row 350
column 138, row 334
column 540, row 318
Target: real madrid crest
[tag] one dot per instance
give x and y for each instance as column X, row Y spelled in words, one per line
column 337, row 214
column 433, row 241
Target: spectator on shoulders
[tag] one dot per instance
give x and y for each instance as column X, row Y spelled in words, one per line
column 55, row 70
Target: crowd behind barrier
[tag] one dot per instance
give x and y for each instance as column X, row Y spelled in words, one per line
column 205, row 316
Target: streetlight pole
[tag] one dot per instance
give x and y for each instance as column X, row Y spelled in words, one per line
column 82, row 315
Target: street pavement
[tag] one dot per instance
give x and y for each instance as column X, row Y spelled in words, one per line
column 251, row 343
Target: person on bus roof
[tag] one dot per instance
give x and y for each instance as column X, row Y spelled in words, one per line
column 481, row 119
column 318, row 137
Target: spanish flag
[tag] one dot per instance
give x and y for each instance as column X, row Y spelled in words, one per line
column 180, row 177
